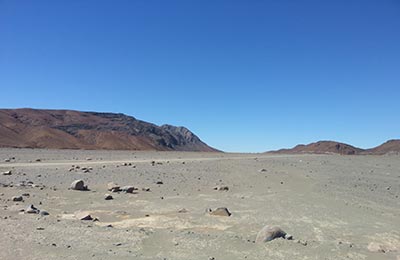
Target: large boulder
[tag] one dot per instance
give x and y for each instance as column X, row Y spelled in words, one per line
column 78, row 185
column 269, row 233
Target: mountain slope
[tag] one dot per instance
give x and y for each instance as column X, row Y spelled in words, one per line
column 36, row 128
column 391, row 146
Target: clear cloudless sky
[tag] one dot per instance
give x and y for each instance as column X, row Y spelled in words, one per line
column 245, row 76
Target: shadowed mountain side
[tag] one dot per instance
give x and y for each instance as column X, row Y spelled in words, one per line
column 68, row 129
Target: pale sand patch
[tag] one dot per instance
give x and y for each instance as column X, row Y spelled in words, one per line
column 163, row 222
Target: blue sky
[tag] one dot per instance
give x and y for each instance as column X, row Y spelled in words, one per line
column 245, row 76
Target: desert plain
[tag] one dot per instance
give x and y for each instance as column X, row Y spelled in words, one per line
column 333, row 206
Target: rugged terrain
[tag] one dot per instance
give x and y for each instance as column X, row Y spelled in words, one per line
column 335, row 207
column 68, row 129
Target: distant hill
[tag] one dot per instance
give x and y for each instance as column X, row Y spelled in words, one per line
column 391, row 146
column 332, row 147
column 322, row 147
column 68, row 129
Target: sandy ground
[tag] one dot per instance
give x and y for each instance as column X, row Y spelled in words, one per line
column 336, row 207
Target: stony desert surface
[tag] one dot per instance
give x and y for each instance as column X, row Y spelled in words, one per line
column 334, row 207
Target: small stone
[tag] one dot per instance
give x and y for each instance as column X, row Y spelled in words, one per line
column 108, row 197
column 44, row 213
column 221, row 188
column 113, row 187
column 302, row 242
column 183, row 210
column 32, row 210
column 288, row 237
column 159, row 182
column 83, row 216
column 7, row 173
column 268, row 233
column 128, row 189
column 223, row 212
column 17, row 198
column 78, row 185
column 146, row 189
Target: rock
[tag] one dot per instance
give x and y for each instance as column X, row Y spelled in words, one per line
column 108, row 197
column 17, row 198
column 263, row 170
column 221, row 188
column 146, row 189
column 32, row 210
column 128, row 189
column 113, row 187
column 159, row 182
column 183, row 210
column 224, row 212
column 269, row 233
column 44, row 213
column 376, row 248
column 302, row 242
column 7, row 173
column 83, row 216
column 78, row 185
column 288, row 237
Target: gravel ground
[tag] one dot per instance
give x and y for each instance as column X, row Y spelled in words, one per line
column 335, row 207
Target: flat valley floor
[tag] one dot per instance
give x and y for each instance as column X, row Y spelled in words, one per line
column 335, row 207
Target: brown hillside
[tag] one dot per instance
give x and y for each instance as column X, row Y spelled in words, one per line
column 70, row 129
column 322, row 147
column 391, row 146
